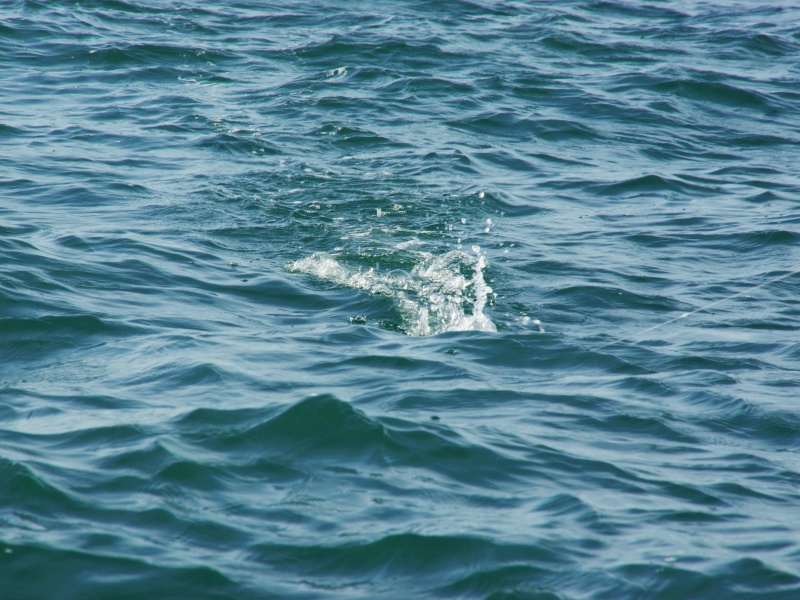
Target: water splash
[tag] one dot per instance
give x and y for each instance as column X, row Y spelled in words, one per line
column 439, row 293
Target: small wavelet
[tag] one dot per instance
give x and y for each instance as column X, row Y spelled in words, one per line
column 437, row 295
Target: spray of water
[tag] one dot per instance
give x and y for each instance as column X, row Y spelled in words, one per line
column 434, row 297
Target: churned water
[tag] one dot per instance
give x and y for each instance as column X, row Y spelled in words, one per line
column 465, row 299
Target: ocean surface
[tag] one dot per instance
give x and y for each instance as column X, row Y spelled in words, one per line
column 399, row 299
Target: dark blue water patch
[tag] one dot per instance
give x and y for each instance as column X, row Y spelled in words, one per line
column 756, row 141
column 767, row 173
column 677, row 149
column 22, row 485
column 766, row 197
column 137, row 464
column 792, row 350
column 513, row 582
column 737, row 490
column 538, row 353
column 238, row 143
column 10, row 132
column 132, row 56
column 105, row 574
column 353, row 138
column 24, row 404
column 434, row 87
column 723, row 365
column 717, row 93
column 396, row 445
column 507, row 160
column 665, row 581
column 565, row 43
column 540, row 88
column 745, row 243
column 29, row 339
column 659, row 14
column 407, row 558
column 511, row 124
column 117, row 436
column 745, row 43
column 177, row 102
column 15, row 300
column 638, row 427
column 611, row 298
column 649, row 184
column 203, row 478
column 662, row 241
column 387, row 364
column 183, row 373
column 781, row 431
column 424, row 55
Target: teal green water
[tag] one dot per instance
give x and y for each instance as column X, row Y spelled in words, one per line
column 399, row 299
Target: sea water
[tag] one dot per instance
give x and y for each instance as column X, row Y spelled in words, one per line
column 371, row 299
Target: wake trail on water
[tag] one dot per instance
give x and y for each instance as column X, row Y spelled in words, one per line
column 445, row 292
column 635, row 339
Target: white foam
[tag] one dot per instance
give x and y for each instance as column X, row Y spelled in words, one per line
column 434, row 297
column 338, row 72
